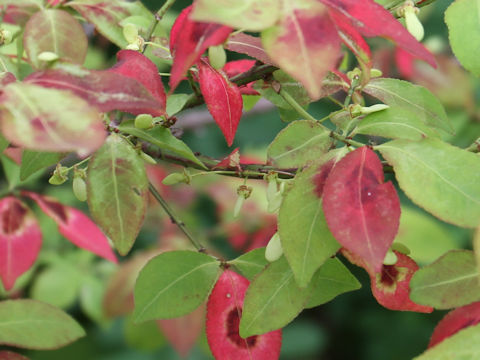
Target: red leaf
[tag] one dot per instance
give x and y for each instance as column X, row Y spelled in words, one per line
column 105, row 90
column 455, row 321
column 189, row 40
column 20, row 240
column 8, row 355
column 353, row 40
column 137, row 66
column 305, row 44
column 361, row 210
column 183, row 332
column 234, row 68
column 75, row 226
column 224, row 310
column 391, row 287
column 249, row 45
column 371, row 19
column 231, row 161
column 223, row 99
column 405, row 63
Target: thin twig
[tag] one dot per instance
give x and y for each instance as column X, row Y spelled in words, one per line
column 174, row 217
column 158, row 16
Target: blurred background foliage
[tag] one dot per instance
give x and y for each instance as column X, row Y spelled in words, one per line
column 352, row 326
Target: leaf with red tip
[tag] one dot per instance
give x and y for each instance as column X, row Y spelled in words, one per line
column 455, row 321
column 237, row 67
column 224, row 310
column 108, row 16
column 106, row 90
column 189, row 40
column 249, row 45
column 49, row 120
column 305, row 35
column 75, row 226
column 54, row 31
column 7, row 78
column 183, row 332
column 391, row 286
column 371, row 19
column 223, row 99
column 18, row 13
column 137, row 66
column 362, row 211
column 20, row 240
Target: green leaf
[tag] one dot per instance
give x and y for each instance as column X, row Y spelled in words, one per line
column 300, row 142
column 55, row 31
column 163, row 138
column 117, row 189
column 464, row 345
column 249, row 101
column 451, row 281
column 145, row 336
column 332, row 279
column 395, row 123
column 57, row 285
column 92, row 295
column 11, row 171
column 3, row 143
column 107, row 16
column 253, row 15
column 176, row 102
column 426, row 237
column 273, row 299
column 306, row 240
column 288, row 85
column 464, row 32
column 33, row 161
column 34, row 325
column 44, row 119
column 173, row 284
column 414, row 98
column 251, row 263
column 438, row 177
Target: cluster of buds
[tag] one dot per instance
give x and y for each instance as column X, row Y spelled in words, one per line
column 79, row 186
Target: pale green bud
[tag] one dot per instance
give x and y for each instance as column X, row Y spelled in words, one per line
column 217, row 56
column 48, row 56
column 274, row 250
column 79, row 188
column 390, row 258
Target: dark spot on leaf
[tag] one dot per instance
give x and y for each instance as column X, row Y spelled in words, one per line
column 136, row 191
column 389, row 275
column 57, row 208
column 13, row 217
column 233, row 324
